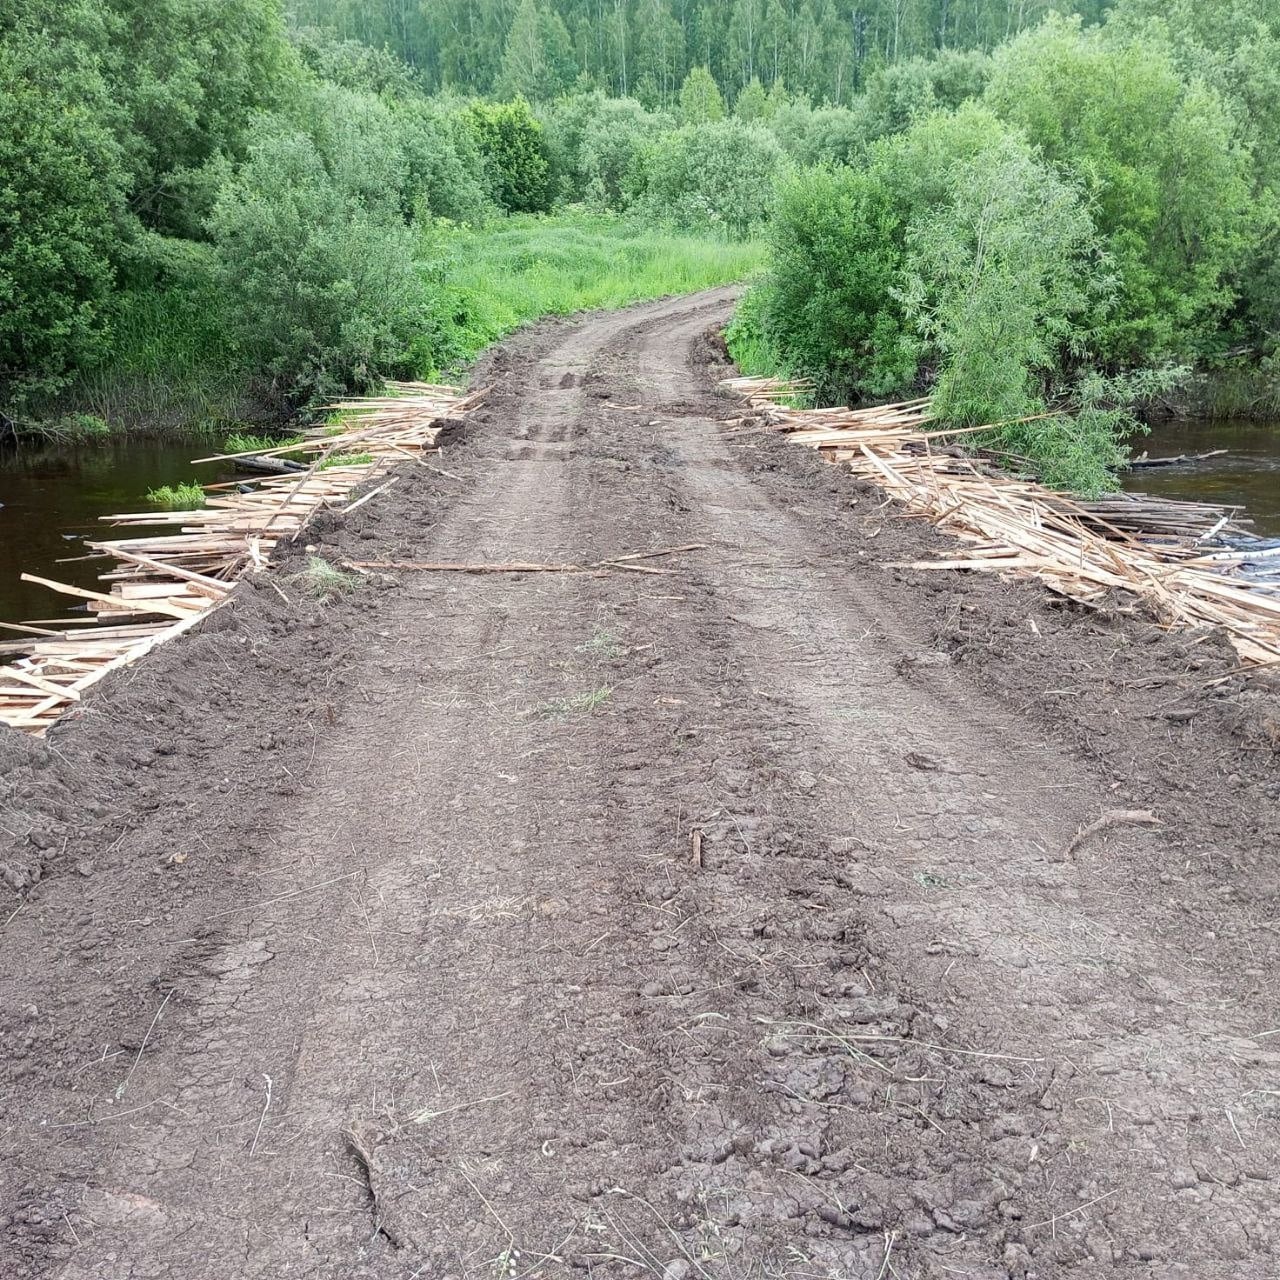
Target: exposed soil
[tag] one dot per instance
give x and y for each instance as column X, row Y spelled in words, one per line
column 743, row 920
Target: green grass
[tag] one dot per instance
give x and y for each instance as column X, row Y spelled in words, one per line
column 579, row 703
column 324, row 581
column 346, row 460
column 603, row 645
column 523, row 268
column 248, row 442
column 187, row 496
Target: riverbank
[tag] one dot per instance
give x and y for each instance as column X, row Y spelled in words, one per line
column 174, row 370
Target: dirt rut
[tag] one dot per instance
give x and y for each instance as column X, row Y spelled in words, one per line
column 719, row 922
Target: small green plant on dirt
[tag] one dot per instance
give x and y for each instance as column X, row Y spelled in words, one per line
column 579, row 702
column 248, row 442
column 187, row 496
column 324, row 581
column 602, row 645
column 346, row 460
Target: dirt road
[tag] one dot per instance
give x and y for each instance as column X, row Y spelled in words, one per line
column 722, row 922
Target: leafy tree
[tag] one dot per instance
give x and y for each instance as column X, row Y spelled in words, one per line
column 63, row 181
column 443, row 168
column 1003, row 280
column 354, row 65
column 752, row 103
column 612, row 144
column 700, row 100
column 323, row 290
column 192, row 77
column 1161, row 167
column 511, row 141
column 537, row 61
column 713, row 175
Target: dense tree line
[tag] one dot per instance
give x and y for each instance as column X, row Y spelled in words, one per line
column 1044, row 229
column 825, row 49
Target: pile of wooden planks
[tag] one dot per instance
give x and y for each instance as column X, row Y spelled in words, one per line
column 159, row 585
column 1151, row 547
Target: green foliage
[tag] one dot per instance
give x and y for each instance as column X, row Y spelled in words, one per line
column 752, row 103
column 613, row 143
column 537, row 60
column 323, row 288
column 187, row 496
column 252, row 442
column 828, row 306
column 443, row 170
column 700, row 99
column 713, row 175
column 511, row 141
column 1002, row 282
column 1164, row 174
column 63, row 182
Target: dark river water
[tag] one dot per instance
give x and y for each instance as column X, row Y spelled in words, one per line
column 1248, row 474
column 52, row 495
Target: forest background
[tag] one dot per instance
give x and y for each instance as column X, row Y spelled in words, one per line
column 1048, row 216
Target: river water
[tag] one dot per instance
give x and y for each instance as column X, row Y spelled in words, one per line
column 1249, row 473
column 52, row 495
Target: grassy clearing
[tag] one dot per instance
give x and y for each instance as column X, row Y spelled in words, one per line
column 186, row 496
column 524, row 268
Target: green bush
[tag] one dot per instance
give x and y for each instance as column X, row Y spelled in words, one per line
column 1003, row 282
column 511, row 141
column 612, row 143
column 324, row 291
column 828, row 306
column 713, row 175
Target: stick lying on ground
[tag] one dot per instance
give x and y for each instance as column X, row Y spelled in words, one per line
column 1112, row 818
column 529, row 566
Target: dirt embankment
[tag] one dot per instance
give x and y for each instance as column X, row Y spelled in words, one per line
column 733, row 922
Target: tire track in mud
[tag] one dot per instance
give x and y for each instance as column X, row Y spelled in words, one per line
column 512, row 1026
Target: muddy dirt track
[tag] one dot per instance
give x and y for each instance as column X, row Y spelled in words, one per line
column 369, row 939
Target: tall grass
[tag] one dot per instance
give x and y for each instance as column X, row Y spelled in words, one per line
column 175, row 364
column 527, row 267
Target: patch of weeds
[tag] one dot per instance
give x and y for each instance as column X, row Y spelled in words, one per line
column 603, row 644
column 248, row 442
column 346, row 460
column 187, row 496
column 324, row 581
column 70, row 428
column 580, row 702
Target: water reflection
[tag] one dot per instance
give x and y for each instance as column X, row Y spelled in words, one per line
column 51, row 496
column 1249, row 474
